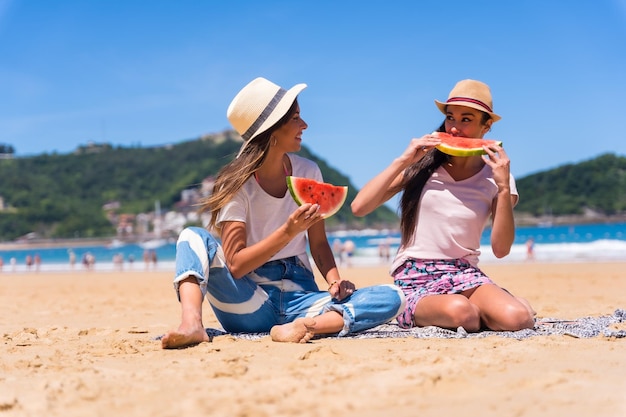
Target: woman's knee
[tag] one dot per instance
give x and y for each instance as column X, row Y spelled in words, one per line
column 448, row 311
column 462, row 313
column 517, row 317
column 388, row 299
column 190, row 232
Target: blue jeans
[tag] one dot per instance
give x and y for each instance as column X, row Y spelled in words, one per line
column 278, row 292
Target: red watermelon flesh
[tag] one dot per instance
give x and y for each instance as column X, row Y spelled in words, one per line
column 462, row 146
column 329, row 197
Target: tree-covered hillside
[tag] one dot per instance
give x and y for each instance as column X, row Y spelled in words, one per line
column 60, row 196
column 598, row 185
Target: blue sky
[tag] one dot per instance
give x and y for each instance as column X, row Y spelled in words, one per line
column 143, row 73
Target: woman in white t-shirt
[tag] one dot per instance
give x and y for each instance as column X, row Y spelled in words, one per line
column 259, row 278
column 445, row 204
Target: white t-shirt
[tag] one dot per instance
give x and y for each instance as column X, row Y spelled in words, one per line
column 263, row 214
column 451, row 217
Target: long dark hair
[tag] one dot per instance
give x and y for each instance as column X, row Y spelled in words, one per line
column 415, row 178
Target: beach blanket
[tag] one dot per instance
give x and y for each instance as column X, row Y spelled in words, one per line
column 584, row 327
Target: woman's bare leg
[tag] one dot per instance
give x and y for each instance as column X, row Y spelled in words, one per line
column 449, row 311
column 191, row 330
column 502, row 311
column 530, row 309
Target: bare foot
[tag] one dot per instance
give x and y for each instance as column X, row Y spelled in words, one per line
column 298, row 331
column 183, row 337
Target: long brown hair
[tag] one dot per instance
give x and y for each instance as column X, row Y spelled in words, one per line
column 234, row 174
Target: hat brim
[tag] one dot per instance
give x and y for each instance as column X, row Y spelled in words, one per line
column 279, row 111
column 442, row 108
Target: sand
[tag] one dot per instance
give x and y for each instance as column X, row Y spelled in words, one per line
column 83, row 344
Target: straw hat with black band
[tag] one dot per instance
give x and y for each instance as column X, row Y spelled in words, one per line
column 258, row 106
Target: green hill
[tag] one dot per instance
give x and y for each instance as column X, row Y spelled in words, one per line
column 595, row 186
column 62, row 196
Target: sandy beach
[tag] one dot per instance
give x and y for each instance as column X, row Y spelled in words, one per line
column 84, row 344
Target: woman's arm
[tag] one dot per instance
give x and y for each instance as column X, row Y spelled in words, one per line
column 378, row 190
column 322, row 253
column 503, row 227
column 242, row 259
column 325, row 262
column 386, row 184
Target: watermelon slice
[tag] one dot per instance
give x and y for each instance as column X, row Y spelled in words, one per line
column 461, row 146
column 330, row 197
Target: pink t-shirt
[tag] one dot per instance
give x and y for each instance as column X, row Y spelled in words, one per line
column 451, row 217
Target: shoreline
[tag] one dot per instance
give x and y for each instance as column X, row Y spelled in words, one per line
column 521, row 220
column 54, row 243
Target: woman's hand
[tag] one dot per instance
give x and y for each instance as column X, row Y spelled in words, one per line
column 302, row 218
column 242, row 259
column 500, row 164
column 418, row 147
column 341, row 289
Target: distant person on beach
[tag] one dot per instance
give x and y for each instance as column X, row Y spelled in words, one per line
column 338, row 250
column 445, row 204
column 154, row 259
column 259, row 279
column 530, row 249
column 348, row 252
column 384, row 250
column 147, row 260
column 37, row 262
column 89, row 261
column 118, row 261
column 72, row 258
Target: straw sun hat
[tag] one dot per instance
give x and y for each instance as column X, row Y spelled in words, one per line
column 258, row 106
column 470, row 93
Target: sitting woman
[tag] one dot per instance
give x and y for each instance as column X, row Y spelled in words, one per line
column 259, row 278
column 445, row 204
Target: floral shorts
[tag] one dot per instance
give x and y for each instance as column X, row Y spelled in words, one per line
column 419, row 278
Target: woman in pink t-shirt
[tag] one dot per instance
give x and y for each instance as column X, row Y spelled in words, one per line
column 445, row 204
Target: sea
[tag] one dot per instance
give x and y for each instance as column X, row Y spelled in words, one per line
column 552, row 243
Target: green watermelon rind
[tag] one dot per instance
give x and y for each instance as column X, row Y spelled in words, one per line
column 299, row 199
column 456, row 151
column 459, row 151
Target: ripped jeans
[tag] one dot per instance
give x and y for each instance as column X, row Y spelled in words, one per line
column 278, row 292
